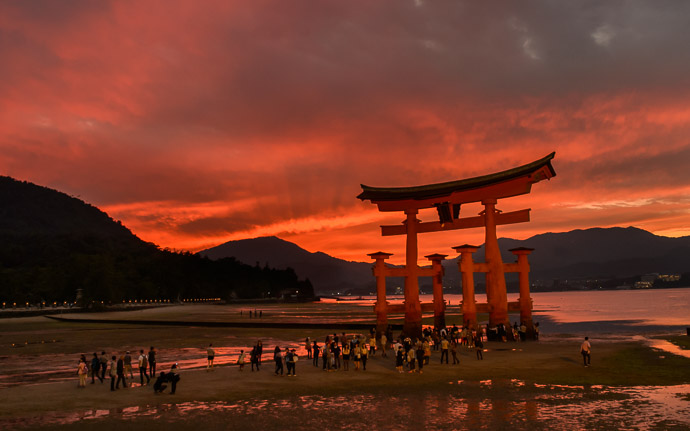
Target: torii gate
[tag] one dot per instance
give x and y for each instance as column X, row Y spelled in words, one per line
column 447, row 199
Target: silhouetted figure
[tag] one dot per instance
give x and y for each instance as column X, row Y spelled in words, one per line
column 159, row 385
column 95, row 368
column 278, row 358
column 104, row 365
column 316, row 354
column 479, row 345
column 152, row 361
column 121, row 373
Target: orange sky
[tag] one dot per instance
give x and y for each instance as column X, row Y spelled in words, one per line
column 196, row 123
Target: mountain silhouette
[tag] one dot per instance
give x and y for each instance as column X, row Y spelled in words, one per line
column 601, row 253
column 52, row 244
column 328, row 274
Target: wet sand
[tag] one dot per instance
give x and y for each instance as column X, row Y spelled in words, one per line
column 552, row 361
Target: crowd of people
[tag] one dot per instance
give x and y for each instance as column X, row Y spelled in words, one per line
column 336, row 353
column 119, row 369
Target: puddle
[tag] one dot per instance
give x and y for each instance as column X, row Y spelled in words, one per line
column 663, row 345
column 464, row 406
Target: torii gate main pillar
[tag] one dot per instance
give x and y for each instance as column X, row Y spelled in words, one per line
column 496, row 293
column 413, row 308
column 437, row 283
column 381, row 306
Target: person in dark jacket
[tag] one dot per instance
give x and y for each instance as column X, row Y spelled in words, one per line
column 152, row 361
column 171, row 377
column 420, row 357
column 95, row 368
column 159, row 385
column 316, row 350
column 104, row 365
column 278, row 357
column 121, row 373
column 254, row 358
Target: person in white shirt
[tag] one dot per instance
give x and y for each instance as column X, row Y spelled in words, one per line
column 586, row 350
column 143, row 366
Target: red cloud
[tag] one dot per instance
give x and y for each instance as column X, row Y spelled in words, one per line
column 196, row 124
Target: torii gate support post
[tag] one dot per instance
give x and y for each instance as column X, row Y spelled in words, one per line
column 413, row 308
column 525, row 299
column 496, row 293
column 437, row 283
column 466, row 266
column 381, row 307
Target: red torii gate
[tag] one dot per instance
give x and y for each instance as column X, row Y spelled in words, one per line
column 447, row 199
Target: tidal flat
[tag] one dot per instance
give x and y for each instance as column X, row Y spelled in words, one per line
column 537, row 385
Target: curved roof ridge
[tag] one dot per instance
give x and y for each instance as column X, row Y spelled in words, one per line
column 442, row 189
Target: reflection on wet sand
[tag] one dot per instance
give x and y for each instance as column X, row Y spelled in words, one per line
column 500, row 405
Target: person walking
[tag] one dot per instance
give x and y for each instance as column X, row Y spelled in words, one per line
column 294, row 362
column 121, row 373
column 586, row 351
column 291, row 361
column 326, row 356
column 152, row 361
column 241, row 359
column 346, row 356
column 411, row 359
column 315, row 360
column 399, row 359
column 365, row 356
column 113, row 372
column 254, row 358
column 210, row 356
column 95, row 369
column 357, row 353
column 128, row 365
column 336, row 356
column 278, row 358
column 420, row 357
column 259, row 351
column 454, row 352
column 104, row 365
column 82, row 372
column 479, row 345
column 307, row 345
column 444, row 349
column 143, row 366
column 384, row 340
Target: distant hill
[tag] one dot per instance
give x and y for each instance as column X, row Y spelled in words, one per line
column 52, row 244
column 579, row 254
column 327, row 274
column 603, row 253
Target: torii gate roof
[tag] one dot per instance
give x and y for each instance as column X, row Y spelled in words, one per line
column 512, row 182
